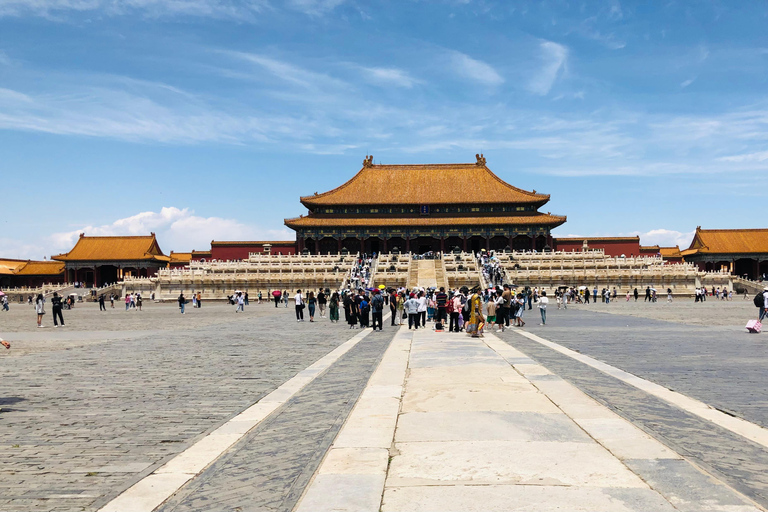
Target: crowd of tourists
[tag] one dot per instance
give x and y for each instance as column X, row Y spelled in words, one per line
column 492, row 270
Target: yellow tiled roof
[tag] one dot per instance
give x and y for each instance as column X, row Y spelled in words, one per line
column 728, row 241
column 670, row 252
column 427, row 184
column 114, row 248
column 8, row 266
column 180, row 257
column 318, row 221
column 41, row 268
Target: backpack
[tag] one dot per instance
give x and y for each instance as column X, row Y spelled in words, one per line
column 759, row 300
column 364, row 307
column 379, row 302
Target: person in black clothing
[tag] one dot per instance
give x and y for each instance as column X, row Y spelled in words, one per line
column 322, row 300
column 277, row 295
column 636, row 294
column 102, row 307
column 647, row 294
column 441, row 301
column 377, row 309
column 56, row 303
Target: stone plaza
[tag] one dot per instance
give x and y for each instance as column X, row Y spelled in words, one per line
column 627, row 406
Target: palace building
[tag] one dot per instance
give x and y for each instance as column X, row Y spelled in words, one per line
column 421, row 208
column 743, row 252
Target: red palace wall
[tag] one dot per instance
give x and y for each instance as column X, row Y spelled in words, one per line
column 241, row 252
column 627, row 247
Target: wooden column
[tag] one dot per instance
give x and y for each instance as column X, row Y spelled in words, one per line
column 362, row 245
column 464, row 239
column 487, row 243
column 408, row 243
column 383, row 245
column 339, row 245
column 533, row 243
column 442, row 244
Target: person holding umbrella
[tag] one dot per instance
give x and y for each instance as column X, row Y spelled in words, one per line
column 276, row 294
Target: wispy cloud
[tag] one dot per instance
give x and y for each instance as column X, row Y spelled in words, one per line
column 177, row 229
column 553, row 60
column 240, row 10
column 665, row 237
column 474, row 70
column 686, row 83
column 389, row 77
column 290, row 72
column 759, row 156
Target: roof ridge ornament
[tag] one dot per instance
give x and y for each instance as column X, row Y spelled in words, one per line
column 480, row 159
column 368, row 162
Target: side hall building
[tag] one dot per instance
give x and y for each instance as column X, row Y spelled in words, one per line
column 422, row 208
column 742, row 252
column 98, row 260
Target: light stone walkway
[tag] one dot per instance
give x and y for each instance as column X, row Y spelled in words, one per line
column 450, row 423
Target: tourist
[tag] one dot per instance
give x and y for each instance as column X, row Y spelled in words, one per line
column 312, row 303
column 544, row 302
column 607, row 296
column 586, row 296
column 277, row 295
column 259, row 296
column 629, row 296
column 139, row 301
column 520, row 310
column 636, row 294
column 431, row 307
column 199, row 300
column 102, row 307
column 56, row 305
column 393, row 307
column 364, row 310
column 669, row 294
column 441, row 301
column 350, row 310
column 112, row 300
column 377, row 309
column 182, row 302
column 5, row 303
column 127, row 301
column 298, row 302
column 763, row 305
column 506, row 309
column 334, row 308
column 246, row 301
column 594, row 295
column 285, row 298
column 194, row 299
column 491, row 312
column 422, row 309
column 322, row 300
column 40, row 309
column 411, row 307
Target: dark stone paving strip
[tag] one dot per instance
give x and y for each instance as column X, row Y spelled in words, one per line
column 269, row 468
column 725, row 367
column 730, row 458
column 79, row 426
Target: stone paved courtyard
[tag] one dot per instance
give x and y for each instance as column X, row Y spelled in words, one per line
column 90, row 409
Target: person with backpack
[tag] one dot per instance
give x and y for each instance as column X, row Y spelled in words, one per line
column 506, row 305
column 441, row 301
column 298, row 302
column 377, row 309
column 365, row 312
column 761, row 300
column 57, row 306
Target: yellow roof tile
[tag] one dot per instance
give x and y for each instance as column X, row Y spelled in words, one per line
column 114, row 248
column 318, row 221
column 41, row 268
column 471, row 183
column 728, row 241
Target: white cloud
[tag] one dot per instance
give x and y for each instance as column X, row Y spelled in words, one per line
column 389, row 76
column 475, row 70
column 18, row 250
column 686, row 83
column 314, row 7
column 666, row 237
column 553, row 60
column 176, row 229
column 760, row 156
column 242, row 10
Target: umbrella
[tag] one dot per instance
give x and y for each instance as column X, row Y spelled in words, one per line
column 2, row 294
column 381, row 287
column 276, row 293
column 370, row 289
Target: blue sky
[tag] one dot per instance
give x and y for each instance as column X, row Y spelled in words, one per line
column 203, row 119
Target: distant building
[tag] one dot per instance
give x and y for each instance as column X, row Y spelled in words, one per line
column 97, row 260
column 239, row 250
column 627, row 246
column 671, row 254
column 39, row 273
column 743, row 252
column 179, row 259
column 422, row 208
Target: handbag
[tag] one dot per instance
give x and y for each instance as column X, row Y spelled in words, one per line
column 405, row 315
